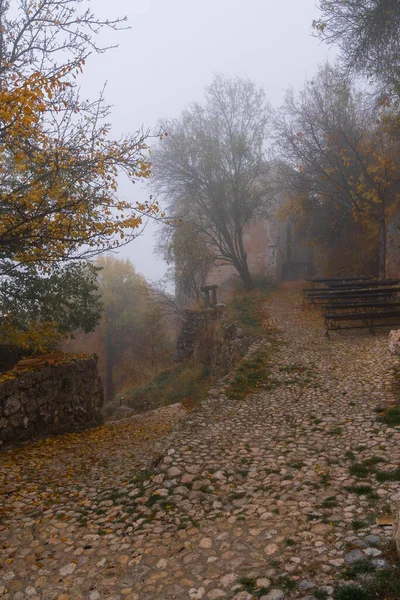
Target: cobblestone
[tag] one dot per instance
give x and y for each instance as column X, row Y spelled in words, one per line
column 244, row 494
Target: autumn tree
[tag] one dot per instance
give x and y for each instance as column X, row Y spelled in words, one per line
column 367, row 33
column 137, row 337
column 339, row 151
column 211, row 169
column 59, row 164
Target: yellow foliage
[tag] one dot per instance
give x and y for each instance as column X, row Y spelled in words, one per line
column 38, row 337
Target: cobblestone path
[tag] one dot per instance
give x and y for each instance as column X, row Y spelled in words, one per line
column 249, row 498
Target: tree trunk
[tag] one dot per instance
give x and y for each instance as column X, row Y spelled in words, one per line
column 110, row 382
column 246, row 277
column 382, row 248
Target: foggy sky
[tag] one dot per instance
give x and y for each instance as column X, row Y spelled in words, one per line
column 172, row 51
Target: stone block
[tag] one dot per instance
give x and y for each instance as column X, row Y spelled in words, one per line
column 394, row 341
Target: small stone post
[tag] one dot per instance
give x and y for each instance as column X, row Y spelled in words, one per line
column 206, row 289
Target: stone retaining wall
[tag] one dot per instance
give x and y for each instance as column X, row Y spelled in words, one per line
column 50, row 400
column 213, row 339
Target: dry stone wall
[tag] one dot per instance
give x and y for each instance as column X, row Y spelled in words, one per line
column 50, row 400
column 213, row 339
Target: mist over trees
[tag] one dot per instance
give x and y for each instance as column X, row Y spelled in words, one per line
column 367, row 35
column 336, row 144
column 190, row 260
column 137, row 338
column 211, row 169
column 343, row 157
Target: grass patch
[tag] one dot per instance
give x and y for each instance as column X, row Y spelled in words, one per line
column 350, row 592
column 359, row 568
column 251, row 375
column 248, row 309
column 320, row 594
column 330, row 502
column 357, row 524
column 359, row 470
column 248, row 584
column 393, row 475
column 368, row 468
column 391, row 417
column 290, row 542
column 362, row 490
column 186, row 382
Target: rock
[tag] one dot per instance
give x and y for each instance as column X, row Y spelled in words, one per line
column 321, row 528
column 12, row 405
column 271, row 549
column 394, row 341
column 229, row 579
column 380, row 563
column 372, row 539
column 306, row 585
column 274, row 594
column 359, row 544
column 353, row 556
column 372, row 552
column 263, row 582
column 243, row 596
column 197, row 594
column 205, row 543
column 328, row 589
column 174, row 472
column 337, row 562
column 67, row 569
column 216, row 594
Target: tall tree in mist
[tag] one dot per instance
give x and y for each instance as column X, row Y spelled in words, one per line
column 211, row 167
column 367, row 33
column 191, row 259
column 340, row 151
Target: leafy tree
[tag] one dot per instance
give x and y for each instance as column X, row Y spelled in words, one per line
column 38, row 310
column 368, row 35
column 211, row 167
column 59, row 166
column 192, row 260
column 340, row 152
column 137, row 337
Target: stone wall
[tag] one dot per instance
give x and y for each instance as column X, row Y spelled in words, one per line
column 50, row 400
column 212, row 338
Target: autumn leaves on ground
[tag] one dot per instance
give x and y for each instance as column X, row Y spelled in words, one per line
column 46, row 474
column 270, row 488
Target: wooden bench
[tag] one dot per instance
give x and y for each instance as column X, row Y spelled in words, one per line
column 332, row 280
column 325, row 296
column 364, row 284
column 358, row 306
column 368, row 320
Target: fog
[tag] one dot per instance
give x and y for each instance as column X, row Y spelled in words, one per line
column 173, row 49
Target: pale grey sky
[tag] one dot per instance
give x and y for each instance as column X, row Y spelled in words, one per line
column 174, row 48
